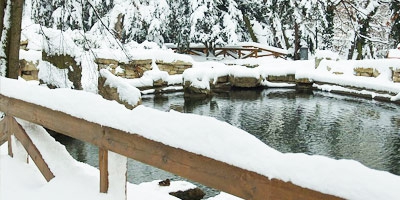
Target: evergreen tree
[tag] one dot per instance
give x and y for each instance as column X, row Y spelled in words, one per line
column 179, row 24
column 205, row 24
column 395, row 22
column 69, row 14
column 328, row 25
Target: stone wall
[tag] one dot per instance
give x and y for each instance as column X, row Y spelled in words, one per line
column 367, row 72
column 29, row 70
column 290, row 78
column 136, row 68
column 176, row 67
column 133, row 69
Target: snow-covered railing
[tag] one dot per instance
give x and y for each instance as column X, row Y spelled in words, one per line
column 238, row 51
column 208, row 171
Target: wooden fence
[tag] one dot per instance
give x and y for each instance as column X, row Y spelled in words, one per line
column 234, row 51
column 210, row 172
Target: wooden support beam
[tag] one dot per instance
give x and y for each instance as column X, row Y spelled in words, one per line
column 103, row 166
column 3, row 130
column 9, row 143
column 5, row 123
column 234, row 180
column 32, row 150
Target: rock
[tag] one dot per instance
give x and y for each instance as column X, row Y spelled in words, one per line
column 290, row 78
column 23, row 44
column 396, row 77
column 165, row 182
column 104, row 61
column 29, row 70
column 191, row 194
column 176, row 67
column 111, row 93
column 141, row 62
column 159, row 83
column 303, row 80
column 194, row 92
column 367, row 72
column 245, row 82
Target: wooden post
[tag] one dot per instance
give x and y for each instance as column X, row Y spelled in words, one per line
column 103, row 166
column 3, row 131
column 7, row 132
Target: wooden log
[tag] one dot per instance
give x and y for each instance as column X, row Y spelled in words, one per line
column 231, row 179
column 103, row 167
column 32, row 150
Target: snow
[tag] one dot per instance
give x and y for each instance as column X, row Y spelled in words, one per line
column 263, row 46
column 215, row 139
column 48, row 73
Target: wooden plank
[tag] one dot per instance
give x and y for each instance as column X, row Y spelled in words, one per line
column 3, row 131
column 32, row 150
column 210, row 172
column 103, row 167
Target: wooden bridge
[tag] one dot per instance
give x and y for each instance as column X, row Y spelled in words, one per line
column 208, row 171
column 239, row 51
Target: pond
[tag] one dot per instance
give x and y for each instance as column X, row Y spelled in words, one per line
column 320, row 123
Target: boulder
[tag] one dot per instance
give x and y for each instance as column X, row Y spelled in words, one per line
column 111, row 93
column 290, row 78
column 245, row 82
column 194, row 92
column 191, row 194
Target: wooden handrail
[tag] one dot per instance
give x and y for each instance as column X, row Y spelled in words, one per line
column 231, row 179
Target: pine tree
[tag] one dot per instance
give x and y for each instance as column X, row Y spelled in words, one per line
column 179, row 24
column 395, row 23
column 328, row 25
column 205, row 24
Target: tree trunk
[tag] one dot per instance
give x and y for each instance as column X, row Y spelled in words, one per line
column 13, row 39
column 249, row 27
column 296, row 41
column 2, row 11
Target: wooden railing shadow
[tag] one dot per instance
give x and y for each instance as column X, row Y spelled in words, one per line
column 210, row 172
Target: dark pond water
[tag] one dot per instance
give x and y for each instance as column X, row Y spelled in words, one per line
column 315, row 123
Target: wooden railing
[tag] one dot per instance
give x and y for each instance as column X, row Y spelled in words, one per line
column 237, row 52
column 210, row 172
